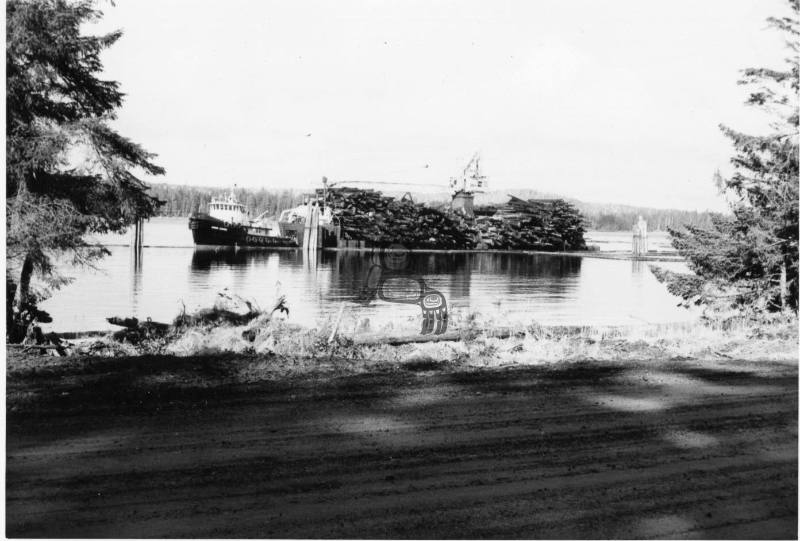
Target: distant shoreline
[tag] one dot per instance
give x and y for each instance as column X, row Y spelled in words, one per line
column 619, row 231
column 616, row 255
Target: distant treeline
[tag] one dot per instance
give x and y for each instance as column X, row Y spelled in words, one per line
column 183, row 200
column 599, row 216
column 602, row 218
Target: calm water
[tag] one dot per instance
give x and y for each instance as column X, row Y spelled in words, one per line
column 549, row 289
column 174, row 232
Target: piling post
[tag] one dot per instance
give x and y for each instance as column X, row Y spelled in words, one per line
column 138, row 233
column 311, row 230
column 307, row 227
column 136, row 242
column 314, row 244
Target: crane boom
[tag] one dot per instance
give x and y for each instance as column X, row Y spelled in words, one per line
column 471, row 179
column 384, row 183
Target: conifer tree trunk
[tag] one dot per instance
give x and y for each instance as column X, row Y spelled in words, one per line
column 23, row 293
column 783, row 286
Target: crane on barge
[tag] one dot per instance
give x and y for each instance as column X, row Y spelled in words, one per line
column 466, row 186
column 463, row 188
column 305, row 221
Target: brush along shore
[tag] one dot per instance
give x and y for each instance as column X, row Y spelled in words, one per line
column 296, row 351
column 237, row 326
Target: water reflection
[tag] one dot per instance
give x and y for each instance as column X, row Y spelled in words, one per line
column 639, row 267
column 205, row 259
column 480, row 281
column 137, row 254
column 310, row 261
column 551, row 289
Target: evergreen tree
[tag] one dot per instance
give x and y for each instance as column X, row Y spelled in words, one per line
column 68, row 172
column 751, row 257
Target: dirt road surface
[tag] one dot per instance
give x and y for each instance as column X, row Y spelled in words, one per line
column 178, row 448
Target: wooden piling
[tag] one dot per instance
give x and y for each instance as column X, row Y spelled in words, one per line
column 315, row 237
column 307, row 227
column 138, row 233
column 311, row 238
column 136, row 244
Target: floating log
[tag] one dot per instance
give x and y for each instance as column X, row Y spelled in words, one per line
column 80, row 334
column 128, row 322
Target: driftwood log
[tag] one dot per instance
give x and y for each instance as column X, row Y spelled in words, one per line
column 452, row 336
column 229, row 309
column 408, row 339
column 36, row 340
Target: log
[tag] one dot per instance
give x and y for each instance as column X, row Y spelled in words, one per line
column 35, row 346
column 409, row 339
column 80, row 334
column 128, row 322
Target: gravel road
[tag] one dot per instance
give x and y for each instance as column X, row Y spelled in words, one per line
column 147, row 448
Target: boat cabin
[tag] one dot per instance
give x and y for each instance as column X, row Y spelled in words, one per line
column 229, row 210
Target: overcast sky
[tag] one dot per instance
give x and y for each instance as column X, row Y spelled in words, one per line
column 613, row 101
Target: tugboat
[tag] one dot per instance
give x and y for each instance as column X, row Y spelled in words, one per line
column 227, row 223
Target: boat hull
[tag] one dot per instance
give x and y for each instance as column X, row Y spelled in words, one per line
column 328, row 237
column 207, row 230
column 292, row 230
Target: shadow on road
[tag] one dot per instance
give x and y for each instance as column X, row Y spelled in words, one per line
column 165, row 447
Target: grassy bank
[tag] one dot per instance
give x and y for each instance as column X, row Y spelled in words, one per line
column 266, row 347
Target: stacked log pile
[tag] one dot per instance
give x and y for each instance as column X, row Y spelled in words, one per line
column 536, row 224
column 368, row 215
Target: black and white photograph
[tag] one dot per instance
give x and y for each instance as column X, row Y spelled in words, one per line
column 402, row 269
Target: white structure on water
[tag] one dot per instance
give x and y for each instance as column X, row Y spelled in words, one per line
column 640, row 237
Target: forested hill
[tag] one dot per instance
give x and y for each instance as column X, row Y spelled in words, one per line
column 601, row 216
column 622, row 217
column 183, row 200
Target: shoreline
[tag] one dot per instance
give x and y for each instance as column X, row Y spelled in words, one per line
column 495, row 331
column 596, row 254
column 469, row 342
